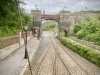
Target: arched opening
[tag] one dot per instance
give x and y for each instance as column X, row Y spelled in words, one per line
column 50, row 25
column 35, row 31
column 64, row 33
column 52, row 19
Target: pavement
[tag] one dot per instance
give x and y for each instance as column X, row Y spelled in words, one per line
column 13, row 64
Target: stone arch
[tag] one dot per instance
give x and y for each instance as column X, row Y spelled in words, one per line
column 63, row 20
column 35, row 31
column 56, row 20
column 52, row 19
column 65, row 34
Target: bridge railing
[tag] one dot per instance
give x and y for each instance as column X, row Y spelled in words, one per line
column 50, row 16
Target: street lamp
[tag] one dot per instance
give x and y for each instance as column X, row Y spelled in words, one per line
column 26, row 27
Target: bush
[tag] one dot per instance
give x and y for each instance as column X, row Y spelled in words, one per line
column 87, row 52
column 77, row 27
column 88, row 29
column 50, row 27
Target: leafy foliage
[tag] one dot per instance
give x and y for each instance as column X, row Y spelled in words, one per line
column 50, row 27
column 88, row 30
column 63, row 33
column 9, row 21
column 87, row 52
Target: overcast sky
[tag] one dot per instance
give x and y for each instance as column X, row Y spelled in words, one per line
column 54, row 6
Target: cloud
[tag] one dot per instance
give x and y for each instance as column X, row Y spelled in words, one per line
column 54, row 6
column 83, row 3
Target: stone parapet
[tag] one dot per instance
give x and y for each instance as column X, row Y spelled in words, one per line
column 8, row 50
column 87, row 43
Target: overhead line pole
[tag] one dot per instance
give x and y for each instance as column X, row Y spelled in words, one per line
column 16, row 1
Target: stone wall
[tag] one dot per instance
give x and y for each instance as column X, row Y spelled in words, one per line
column 10, row 49
column 87, row 43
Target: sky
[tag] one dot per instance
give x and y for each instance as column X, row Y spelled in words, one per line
column 55, row 6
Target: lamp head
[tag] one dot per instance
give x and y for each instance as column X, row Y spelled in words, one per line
column 26, row 26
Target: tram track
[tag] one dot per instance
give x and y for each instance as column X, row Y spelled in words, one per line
column 75, row 60
column 79, row 64
column 57, row 61
column 39, row 65
column 57, row 56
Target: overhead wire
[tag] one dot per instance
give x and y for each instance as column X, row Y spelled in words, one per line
column 48, row 5
column 52, row 6
column 66, row 6
column 77, row 2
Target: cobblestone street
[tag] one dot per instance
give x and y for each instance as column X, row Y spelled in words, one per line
column 55, row 60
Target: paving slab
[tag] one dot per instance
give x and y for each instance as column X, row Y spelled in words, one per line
column 13, row 64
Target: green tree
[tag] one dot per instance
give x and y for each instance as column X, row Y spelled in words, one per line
column 88, row 30
column 9, row 21
column 50, row 27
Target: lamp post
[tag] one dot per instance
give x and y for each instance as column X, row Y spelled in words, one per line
column 25, row 27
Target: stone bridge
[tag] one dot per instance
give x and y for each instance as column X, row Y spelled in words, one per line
column 66, row 20
column 50, row 17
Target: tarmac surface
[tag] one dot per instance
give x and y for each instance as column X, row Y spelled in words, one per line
column 13, row 64
column 39, row 51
